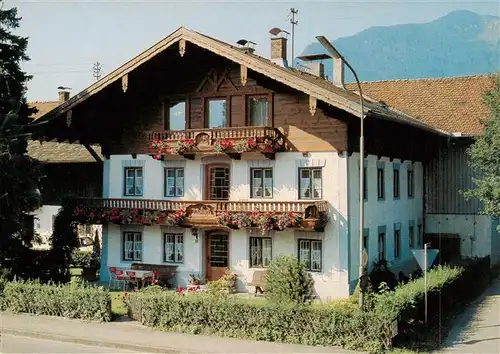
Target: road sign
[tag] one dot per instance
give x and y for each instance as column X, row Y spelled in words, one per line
column 420, row 257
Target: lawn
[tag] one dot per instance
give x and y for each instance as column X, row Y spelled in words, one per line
column 117, row 306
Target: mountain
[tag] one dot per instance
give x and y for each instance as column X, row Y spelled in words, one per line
column 458, row 44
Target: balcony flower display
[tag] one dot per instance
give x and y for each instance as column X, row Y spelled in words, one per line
column 159, row 145
column 287, row 220
column 181, row 146
column 222, row 145
column 273, row 144
column 128, row 216
column 246, row 144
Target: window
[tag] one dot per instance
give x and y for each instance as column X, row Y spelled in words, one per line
column 133, row 181
column 410, row 183
column 216, row 113
column 310, row 183
column 397, row 243
column 219, row 183
column 381, row 246
column 380, row 183
column 410, row 236
column 132, row 246
column 173, row 246
column 259, row 109
column 261, row 251
column 261, row 185
column 366, row 244
column 396, row 183
column 176, row 119
column 174, row 182
column 310, row 254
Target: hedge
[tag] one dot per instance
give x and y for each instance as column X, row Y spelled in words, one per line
column 75, row 300
column 202, row 313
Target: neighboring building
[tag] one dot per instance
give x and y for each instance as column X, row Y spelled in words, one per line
column 69, row 169
column 453, row 105
column 191, row 89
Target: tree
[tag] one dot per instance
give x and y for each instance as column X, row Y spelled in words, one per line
column 485, row 156
column 19, row 174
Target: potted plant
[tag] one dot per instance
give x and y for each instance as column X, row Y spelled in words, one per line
column 194, row 279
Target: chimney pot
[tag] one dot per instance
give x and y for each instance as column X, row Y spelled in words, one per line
column 63, row 96
column 278, row 51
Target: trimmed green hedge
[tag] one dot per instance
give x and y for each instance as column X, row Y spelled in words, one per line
column 202, row 313
column 71, row 301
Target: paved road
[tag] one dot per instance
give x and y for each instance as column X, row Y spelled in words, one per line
column 16, row 344
column 478, row 329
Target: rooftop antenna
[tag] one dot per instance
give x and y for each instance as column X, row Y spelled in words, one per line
column 294, row 23
column 97, row 70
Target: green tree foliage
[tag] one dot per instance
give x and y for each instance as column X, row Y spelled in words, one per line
column 18, row 173
column 485, row 156
column 288, row 281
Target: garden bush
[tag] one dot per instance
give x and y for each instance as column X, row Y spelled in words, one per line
column 204, row 313
column 75, row 300
column 288, row 281
column 83, row 259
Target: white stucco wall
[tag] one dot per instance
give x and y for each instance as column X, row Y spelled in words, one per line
column 475, row 231
column 387, row 211
column 332, row 282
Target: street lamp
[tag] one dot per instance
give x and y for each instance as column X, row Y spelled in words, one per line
column 362, row 258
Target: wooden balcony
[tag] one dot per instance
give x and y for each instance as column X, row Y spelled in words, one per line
column 204, row 140
column 205, row 212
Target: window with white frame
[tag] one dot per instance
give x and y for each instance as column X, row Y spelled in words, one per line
column 133, row 181
column 380, row 183
column 397, row 243
column 261, row 184
column 132, row 246
column 310, row 254
column 381, row 246
column 261, row 252
column 174, row 248
column 310, row 183
column 174, row 182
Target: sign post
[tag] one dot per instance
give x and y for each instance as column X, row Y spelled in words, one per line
column 425, row 258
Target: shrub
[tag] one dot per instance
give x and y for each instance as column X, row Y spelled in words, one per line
column 83, row 259
column 203, row 313
column 76, row 300
column 225, row 285
column 287, row 281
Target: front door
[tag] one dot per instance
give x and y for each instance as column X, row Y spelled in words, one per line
column 217, row 251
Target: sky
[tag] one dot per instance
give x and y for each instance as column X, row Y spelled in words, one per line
column 66, row 37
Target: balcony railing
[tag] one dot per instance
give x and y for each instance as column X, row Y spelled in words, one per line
column 216, row 205
column 213, row 134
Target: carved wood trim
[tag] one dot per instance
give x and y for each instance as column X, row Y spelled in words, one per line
column 182, row 47
column 125, row 83
column 313, row 102
column 243, row 75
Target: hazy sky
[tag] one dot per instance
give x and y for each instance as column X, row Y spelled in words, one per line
column 66, row 36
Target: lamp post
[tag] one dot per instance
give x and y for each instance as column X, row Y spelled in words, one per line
column 362, row 259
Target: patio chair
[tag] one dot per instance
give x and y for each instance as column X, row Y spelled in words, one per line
column 112, row 277
column 121, row 277
column 132, row 278
column 154, row 279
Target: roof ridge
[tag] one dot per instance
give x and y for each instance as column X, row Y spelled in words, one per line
column 449, row 78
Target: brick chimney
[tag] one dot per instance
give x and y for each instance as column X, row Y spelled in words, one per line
column 278, row 51
column 63, row 96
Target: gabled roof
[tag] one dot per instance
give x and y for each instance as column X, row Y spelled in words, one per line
column 309, row 84
column 43, row 107
column 54, row 152
column 451, row 104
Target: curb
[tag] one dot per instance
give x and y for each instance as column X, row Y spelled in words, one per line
column 97, row 343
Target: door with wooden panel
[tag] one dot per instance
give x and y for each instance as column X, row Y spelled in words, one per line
column 217, row 254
